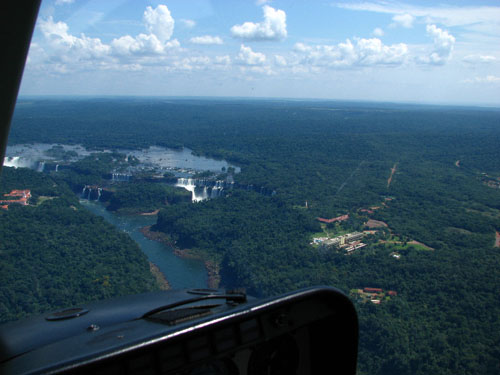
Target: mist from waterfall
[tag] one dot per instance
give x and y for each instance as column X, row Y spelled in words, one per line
column 198, row 193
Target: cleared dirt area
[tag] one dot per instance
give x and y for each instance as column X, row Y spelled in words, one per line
column 420, row 244
column 376, row 224
column 497, row 239
column 155, row 212
column 413, row 242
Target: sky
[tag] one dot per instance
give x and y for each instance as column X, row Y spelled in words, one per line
column 399, row 51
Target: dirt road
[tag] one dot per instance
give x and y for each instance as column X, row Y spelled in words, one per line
column 393, row 170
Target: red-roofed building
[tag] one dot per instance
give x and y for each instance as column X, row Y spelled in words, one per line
column 23, row 195
column 392, row 293
column 372, row 290
column 18, row 193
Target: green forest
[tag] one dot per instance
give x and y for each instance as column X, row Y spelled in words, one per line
column 55, row 254
column 146, row 197
column 429, row 173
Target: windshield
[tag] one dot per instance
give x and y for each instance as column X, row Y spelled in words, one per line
column 265, row 145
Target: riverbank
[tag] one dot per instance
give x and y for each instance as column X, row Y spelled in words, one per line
column 212, row 267
column 159, row 276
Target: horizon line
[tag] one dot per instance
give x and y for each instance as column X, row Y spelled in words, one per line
column 256, row 98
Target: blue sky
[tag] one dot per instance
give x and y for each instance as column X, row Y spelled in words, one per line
column 424, row 52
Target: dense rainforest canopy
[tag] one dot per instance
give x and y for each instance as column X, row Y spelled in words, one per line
column 55, row 254
column 430, row 174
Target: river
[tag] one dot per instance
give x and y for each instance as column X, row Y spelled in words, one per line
column 180, row 272
column 154, row 158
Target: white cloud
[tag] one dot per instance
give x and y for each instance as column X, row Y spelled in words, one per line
column 378, row 32
column 259, row 70
column 487, row 79
column 405, row 20
column 142, row 44
column 206, row 39
column 272, row 28
column 200, row 60
column 188, row 23
column 374, row 52
column 492, row 79
column 70, row 47
column 159, row 22
column 36, row 55
column 365, row 52
column 301, row 47
column 200, row 63
column 222, row 60
column 280, row 60
column 249, row 57
column 442, row 47
column 160, row 25
column 483, row 19
column 61, row 2
column 84, row 52
column 481, row 59
column 193, row 63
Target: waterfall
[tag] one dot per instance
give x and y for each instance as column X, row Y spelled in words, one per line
column 202, row 189
column 57, row 167
column 197, row 192
column 87, row 192
column 216, row 192
column 11, row 161
column 200, row 197
column 41, row 166
column 213, row 193
column 185, row 182
column 120, row 177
